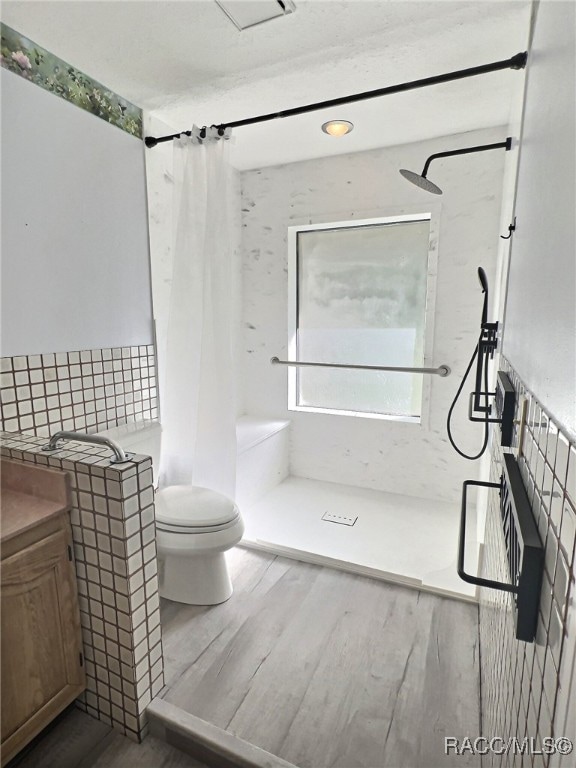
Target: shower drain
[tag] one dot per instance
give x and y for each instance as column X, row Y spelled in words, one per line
column 340, row 519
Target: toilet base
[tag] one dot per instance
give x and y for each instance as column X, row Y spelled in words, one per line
column 196, row 580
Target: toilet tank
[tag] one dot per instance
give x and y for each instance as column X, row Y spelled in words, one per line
column 140, row 437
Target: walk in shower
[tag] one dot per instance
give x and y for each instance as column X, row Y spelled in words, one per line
column 357, row 310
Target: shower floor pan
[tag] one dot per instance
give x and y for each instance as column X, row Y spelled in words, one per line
column 320, row 668
column 402, row 539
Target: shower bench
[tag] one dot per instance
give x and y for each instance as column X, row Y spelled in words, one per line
column 262, row 457
column 262, row 446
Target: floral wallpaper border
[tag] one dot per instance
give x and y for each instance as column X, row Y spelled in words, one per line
column 39, row 66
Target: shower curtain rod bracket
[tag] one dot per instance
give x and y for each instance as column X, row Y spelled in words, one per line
column 519, row 61
column 515, row 62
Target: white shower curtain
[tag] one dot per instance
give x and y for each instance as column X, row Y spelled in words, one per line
column 197, row 400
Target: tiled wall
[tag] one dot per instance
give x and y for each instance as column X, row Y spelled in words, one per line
column 525, row 686
column 85, row 391
column 115, row 554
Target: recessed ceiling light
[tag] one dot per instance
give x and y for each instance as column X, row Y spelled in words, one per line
column 337, row 127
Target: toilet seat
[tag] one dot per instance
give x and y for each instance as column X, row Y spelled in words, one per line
column 195, row 529
column 192, row 509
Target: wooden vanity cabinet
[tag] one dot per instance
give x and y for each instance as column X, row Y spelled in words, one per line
column 41, row 646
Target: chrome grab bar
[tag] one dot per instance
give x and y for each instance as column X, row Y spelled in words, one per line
column 120, row 456
column 442, row 370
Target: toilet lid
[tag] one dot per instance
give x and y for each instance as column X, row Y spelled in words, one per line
column 194, row 507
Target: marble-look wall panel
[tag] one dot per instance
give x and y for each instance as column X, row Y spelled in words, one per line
column 529, row 689
column 114, row 533
column 385, row 455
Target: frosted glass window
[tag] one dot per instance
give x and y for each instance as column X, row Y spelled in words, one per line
column 361, row 299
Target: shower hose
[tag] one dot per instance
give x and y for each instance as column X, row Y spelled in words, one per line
column 449, row 419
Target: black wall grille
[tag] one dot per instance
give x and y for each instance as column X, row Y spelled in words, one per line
column 525, row 553
column 505, row 402
column 523, row 546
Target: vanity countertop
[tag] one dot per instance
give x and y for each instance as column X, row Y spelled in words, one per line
column 30, row 495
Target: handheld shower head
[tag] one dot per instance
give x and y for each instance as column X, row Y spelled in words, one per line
column 483, row 280
column 483, row 352
column 484, row 283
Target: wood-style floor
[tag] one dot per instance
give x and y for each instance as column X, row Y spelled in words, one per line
column 327, row 669
column 77, row 740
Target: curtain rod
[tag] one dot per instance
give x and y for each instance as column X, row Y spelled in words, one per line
column 516, row 62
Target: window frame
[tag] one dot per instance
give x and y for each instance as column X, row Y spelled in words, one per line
column 339, row 222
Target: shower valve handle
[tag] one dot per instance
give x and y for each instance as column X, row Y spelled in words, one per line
column 489, row 338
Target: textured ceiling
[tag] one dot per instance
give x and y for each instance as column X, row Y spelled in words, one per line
column 188, row 63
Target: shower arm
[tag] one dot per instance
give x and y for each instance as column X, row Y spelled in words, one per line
column 507, row 145
column 442, row 370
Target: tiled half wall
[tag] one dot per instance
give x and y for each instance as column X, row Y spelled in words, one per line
column 115, row 556
column 83, row 391
column 526, row 687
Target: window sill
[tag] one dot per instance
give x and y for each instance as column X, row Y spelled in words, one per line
column 356, row 414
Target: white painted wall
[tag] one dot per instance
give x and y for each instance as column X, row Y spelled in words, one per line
column 159, row 184
column 540, row 328
column 396, row 457
column 159, row 181
column 75, row 260
column 511, row 158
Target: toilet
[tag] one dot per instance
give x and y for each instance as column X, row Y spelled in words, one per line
column 194, row 528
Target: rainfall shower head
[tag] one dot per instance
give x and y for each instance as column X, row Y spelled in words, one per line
column 421, row 181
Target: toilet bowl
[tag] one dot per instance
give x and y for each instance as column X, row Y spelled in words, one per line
column 194, row 528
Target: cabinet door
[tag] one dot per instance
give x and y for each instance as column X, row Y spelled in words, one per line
column 41, row 642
